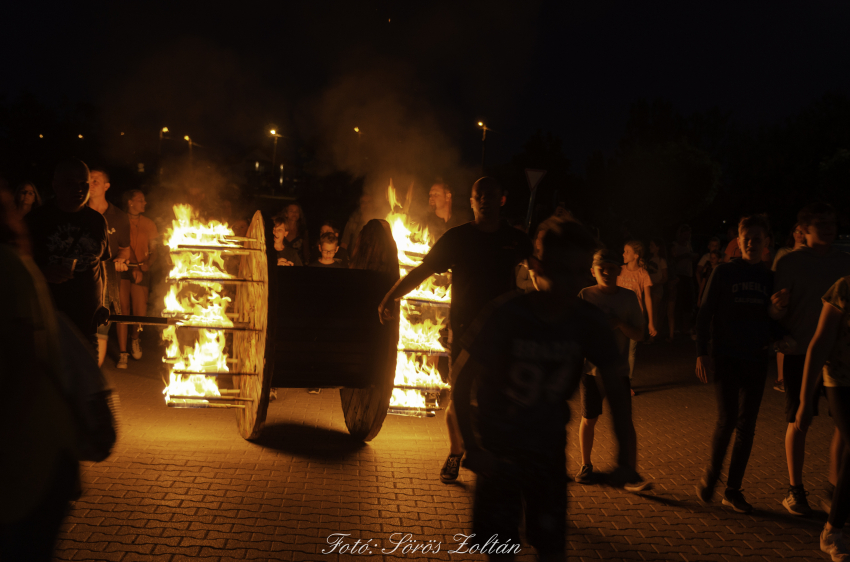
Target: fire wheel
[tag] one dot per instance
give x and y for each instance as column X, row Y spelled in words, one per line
column 251, row 305
column 365, row 409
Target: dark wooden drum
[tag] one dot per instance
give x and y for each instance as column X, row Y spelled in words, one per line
column 325, row 333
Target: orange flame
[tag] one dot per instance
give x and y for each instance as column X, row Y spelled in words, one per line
column 415, row 332
column 197, row 305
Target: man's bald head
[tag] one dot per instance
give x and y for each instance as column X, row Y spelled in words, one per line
column 488, row 196
column 71, row 185
column 491, row 185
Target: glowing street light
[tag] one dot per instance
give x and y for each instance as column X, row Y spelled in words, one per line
column 276, row 136
column 41, row 136
column 79, row 136
column 484, row 130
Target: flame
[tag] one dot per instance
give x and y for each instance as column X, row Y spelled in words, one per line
column 197, row 304
column 416, row 333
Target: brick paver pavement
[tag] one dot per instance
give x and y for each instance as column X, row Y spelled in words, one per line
column 182, row 485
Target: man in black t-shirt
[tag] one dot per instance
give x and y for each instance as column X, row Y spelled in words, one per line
column 482, row 255
column 67, row 232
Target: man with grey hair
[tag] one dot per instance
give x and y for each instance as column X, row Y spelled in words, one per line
column 69, row 241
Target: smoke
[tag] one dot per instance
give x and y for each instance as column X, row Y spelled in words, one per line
column 400, row 134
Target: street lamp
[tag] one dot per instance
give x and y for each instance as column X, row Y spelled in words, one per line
column 187, row 139
column 162, row 132
column 484, row 130
column 274, row 150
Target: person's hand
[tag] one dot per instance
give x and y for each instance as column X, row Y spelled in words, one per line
column 780, row 299
column 284, row 261
column 385, row 311
column 786, row 345
column 121, row 264
column 56, row 273
column 137, row 276
column 480, row 461
column 652, row 331
column 804, row 416
column 705, row 366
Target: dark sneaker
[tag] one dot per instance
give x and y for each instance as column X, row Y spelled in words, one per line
column 780, row 386
column 833, row 544
column 705, row 492
column 451, row 469
column 795, row 502
column 585, row 475
column 735, row 500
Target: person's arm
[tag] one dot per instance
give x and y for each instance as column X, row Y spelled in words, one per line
column 816, row 356
column 650, row 313
column 401, row 288
column 705, row 364
column 632, row 332
column 782, row 285
column 121, row 259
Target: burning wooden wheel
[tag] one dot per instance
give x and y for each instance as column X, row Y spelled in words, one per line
column 197, row 302
column 249, row 347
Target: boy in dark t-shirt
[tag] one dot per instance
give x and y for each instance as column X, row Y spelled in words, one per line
column 526, row 354
column 67, row 230
column 482, row 255
column 734, row 318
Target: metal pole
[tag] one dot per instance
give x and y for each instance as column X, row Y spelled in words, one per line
column 483, row 148
column 274, row 152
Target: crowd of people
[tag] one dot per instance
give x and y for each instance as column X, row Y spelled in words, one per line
column 532, row 318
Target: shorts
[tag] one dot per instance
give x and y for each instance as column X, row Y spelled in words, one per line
column 592, row 395
column 540, row 485
column 146, row 278
column 454, row 352
column 792, row 374
column 111, row 297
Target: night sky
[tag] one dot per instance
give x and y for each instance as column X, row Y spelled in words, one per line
column 224, row 75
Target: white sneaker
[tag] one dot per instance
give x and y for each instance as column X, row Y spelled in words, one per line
column 136, row 348
column 122, row 360
column 833, row 544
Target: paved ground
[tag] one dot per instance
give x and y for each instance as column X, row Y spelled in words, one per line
column 182, row 484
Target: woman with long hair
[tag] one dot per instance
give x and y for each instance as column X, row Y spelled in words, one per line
column 296, row 231
column 27, row 198
column 634, row 276
column 375, row 248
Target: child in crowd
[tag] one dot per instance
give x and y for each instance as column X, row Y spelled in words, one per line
column 829, row 357
column 807, row 274
column 704, row 272
column 635, row 277
column 734, row 319
column 713, row 246
column 341, row 253
column 625, row 318
column 328, row 248
column 285, row 254
column 525, row 354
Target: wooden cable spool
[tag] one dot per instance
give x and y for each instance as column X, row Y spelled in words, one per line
column 249, row 347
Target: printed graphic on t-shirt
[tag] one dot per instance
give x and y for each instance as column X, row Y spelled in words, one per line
column 85, row 250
